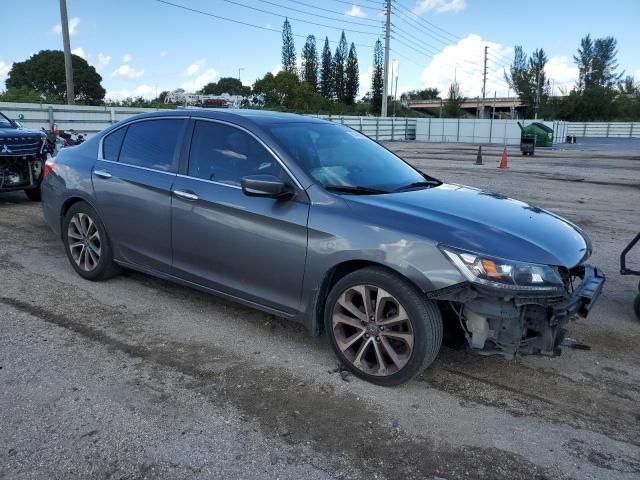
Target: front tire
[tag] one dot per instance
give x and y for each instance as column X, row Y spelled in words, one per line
column 87, row 244
column 33, row 194
column 382, row 328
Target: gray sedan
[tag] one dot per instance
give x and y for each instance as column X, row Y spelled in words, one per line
column 315, row 222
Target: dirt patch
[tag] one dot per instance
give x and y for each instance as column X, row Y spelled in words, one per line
column 342, row 425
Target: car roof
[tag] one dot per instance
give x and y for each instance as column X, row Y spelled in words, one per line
column 262, row 118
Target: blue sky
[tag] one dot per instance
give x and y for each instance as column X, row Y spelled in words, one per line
column 143, row 46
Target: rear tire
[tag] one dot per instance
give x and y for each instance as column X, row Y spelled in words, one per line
column 391, row 340
column 636, row 306
column 33, row 194
column 87, row 244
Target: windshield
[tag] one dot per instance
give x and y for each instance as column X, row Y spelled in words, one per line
column 5, row 122
column 336, row 156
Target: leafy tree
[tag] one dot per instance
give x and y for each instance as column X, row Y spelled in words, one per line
column 339, row 59
column 528, row 79
column 352, row 77
column 327, row 87
column 285, row 91
column 597, row 64
column 453, row 104
column 21, row 94
column 288, row 48
column 377, row 81
column 628, row 86
column 44, row 73
column 309, row 71
column 230, row 85
column 426, row 94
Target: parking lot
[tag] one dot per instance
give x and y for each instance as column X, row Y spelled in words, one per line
column 139, row 378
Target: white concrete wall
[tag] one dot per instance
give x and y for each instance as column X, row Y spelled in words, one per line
column 504, row 132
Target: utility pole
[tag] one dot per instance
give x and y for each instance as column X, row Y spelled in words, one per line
column 484, row 81
column 239, row 70
column 385, row 76
column 68, row 67
column 395, row 93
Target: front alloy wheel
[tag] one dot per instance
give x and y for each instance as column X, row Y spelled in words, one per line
column 381, row 326
column 372, row 330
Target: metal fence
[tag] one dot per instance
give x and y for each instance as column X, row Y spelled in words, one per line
column 90, row 120
column 605, row 129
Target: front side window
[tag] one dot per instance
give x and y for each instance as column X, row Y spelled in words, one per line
column 152, row 144
column 337, row 156
column 225, row 154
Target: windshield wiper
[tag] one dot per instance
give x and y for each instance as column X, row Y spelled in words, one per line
column 356, row 190
column 422, row 184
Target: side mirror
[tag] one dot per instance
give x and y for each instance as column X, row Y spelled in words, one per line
column 17, row 123
column 264, row 186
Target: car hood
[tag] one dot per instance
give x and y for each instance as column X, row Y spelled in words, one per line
column 20, row 132
column 480, row 222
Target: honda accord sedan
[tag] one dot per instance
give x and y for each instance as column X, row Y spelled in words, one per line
column 315, row 222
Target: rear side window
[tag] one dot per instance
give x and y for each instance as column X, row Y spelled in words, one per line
column 152, row 144
column 112, row 143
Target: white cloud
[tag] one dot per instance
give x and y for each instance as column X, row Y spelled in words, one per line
column 79, row 52
column 163, row 53
column 73, row 26
column 438, row 6
column 462, row 61
column 127, row 71
column 146, row 91
column 208, row 76
column 103, row 60
column 4, row 70
column 637, row 76
column 562, row 73
column 355, row 11
column 194, row 68
column 276, row 70
column 127, row 58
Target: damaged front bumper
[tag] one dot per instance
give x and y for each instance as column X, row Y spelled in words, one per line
column 510, row 324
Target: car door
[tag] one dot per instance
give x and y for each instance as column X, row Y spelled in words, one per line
column 253, row 248
column 132, row 181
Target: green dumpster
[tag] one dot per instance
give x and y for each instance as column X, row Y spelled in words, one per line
column 543, row 134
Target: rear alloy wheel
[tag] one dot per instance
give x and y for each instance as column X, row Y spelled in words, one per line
column 382, row 328
column 87, row 244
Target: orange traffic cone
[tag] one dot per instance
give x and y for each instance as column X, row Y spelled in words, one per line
column 503, row 160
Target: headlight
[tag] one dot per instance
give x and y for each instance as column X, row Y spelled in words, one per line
column 506, row 274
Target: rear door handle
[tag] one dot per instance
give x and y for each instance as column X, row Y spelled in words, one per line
column 102, row 173
column 185, row 195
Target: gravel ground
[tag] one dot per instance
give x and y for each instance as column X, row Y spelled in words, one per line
column 140, row 378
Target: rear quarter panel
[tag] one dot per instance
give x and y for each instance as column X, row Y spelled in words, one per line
column 70, row 180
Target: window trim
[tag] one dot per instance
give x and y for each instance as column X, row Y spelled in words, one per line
column 126, row 125
column 250, row 133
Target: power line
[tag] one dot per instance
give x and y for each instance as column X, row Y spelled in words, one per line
column 378, row 22
column 300, row 19
column 427, row 31
column 378, row 4
column 455, row 37
column 240, row 22
column 313, row 14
